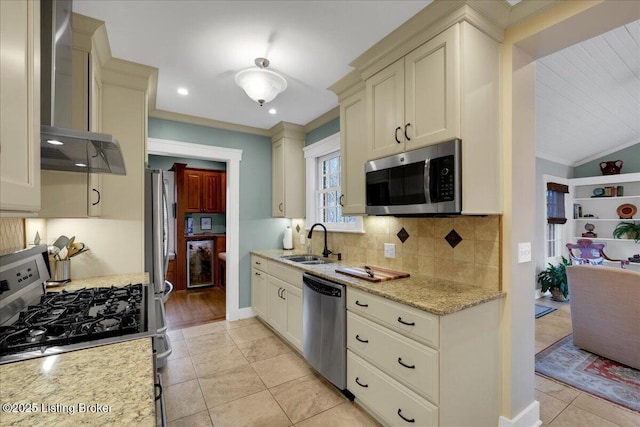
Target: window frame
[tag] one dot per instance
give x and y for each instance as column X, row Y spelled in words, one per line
column 558, row 228
column 312, row 153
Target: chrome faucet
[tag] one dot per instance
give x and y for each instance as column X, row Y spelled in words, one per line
column 326, row 252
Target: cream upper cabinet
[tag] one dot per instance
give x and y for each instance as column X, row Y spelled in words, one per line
column 288, row 177
column 353, row 143
column 446, row 88
column 19, row 107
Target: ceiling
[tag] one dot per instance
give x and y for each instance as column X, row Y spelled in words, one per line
column 587, row 96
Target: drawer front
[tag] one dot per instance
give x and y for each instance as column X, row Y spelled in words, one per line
column 412, row 364
column 290, row 275
column 385, row 397
column 409, row 321
column 259, row 263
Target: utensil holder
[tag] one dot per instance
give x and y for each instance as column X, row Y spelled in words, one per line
column 61, row 270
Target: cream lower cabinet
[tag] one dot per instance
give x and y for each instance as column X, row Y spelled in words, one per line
column 405, row 365
column 276, row 297
column 19, row 107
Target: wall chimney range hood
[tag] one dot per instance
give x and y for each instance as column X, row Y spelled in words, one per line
column 61, row 147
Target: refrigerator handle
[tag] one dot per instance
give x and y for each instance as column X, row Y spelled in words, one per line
column 158, row 232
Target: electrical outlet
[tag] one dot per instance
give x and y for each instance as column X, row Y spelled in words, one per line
column 302, row 238
column 389, row 250
column 524, row 252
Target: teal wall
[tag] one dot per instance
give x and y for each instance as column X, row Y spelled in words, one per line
column 257, row 229
column 166, row 162
column 630, row 156
column 323, row 131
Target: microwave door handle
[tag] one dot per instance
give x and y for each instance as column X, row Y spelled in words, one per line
column 427, row 180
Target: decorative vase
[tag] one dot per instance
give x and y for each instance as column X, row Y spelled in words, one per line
column 611, row 167
column 556, row 295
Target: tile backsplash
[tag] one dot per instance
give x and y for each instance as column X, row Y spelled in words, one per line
column 11, row 235
column 470, row 254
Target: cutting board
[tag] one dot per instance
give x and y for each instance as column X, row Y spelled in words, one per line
column 380, row 274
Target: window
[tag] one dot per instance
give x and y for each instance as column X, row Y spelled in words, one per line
column 556, row 219
column 554, row 240
column 324, row 194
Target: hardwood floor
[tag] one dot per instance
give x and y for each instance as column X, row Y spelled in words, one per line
column 195, row 306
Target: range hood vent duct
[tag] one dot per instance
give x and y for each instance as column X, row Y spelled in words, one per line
column 63, row 148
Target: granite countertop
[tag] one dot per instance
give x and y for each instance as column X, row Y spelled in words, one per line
column 107, row 385
column 85, row 387
column 426, row 293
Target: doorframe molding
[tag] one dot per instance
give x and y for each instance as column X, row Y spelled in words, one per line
column 232, row 157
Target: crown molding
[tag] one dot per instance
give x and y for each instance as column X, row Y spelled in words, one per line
column 348, row 85
column 83, row 28
column 330, row 115
column 287, row 130
column 201, row 121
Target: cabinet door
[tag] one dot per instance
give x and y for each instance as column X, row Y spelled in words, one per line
column 259, row 292
column 64, row 195
column 293, row 328
column 432, row 91
column 211, row 186
column 193, row 191
column 95, row 194
column 20, row 106
column 277, row 201
column 385, row 111
column 353, row 143
column 276, row 304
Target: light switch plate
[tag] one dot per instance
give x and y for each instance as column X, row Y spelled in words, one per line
column 389, row 250
column 524, row 252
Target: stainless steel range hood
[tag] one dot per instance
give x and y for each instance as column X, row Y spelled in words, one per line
column 61, row 147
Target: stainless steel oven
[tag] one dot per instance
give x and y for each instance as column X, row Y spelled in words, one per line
column 426, row 181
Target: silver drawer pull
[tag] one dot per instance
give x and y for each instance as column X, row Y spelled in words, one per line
column 361, row 340
column 361, row 385
column 412, row 420
column 405, row 365
column 361, row 305
column 406, row 323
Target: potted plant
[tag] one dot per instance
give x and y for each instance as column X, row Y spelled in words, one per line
column 629, row 229
column 554, row 279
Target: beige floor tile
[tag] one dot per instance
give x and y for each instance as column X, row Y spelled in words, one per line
column 230, row 385
column 178, row 349
column 280, row 369
column 204, row 343
column 344, row 415
column 550, row 407
column 183, row 400
column 250, row 333
column 242, row 323
column 206, row 328
column 217, row 360
column 263, row 348
column 555, row 389
column 175, row 335
column 305, row 397
column 201, row 419
column 574, row 417
column 256, row 410
column 178, row 371
column 610, row 412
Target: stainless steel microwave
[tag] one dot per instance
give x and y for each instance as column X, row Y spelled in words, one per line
column 426, row 181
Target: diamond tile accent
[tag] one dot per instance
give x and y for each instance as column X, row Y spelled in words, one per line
column 403, row 235
column 453, row 238
column 298, row 228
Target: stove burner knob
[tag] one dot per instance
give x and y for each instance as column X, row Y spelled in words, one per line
column 4, row 286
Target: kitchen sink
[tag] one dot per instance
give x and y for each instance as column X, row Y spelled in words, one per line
column 307, row 259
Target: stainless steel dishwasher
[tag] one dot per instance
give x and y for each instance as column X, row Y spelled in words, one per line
column 324, row 328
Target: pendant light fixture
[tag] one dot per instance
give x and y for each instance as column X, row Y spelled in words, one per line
column 260, row 84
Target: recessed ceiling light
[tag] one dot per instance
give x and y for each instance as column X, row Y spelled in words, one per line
column 81, row 165
column 183, row 91
column 55, row 142
column 272, row 111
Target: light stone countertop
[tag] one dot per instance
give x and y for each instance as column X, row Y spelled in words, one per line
column 437, row 296
column 117, row 376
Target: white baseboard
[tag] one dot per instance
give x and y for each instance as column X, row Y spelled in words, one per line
column 529, row 417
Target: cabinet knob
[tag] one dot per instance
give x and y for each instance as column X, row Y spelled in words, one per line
column 396, row 135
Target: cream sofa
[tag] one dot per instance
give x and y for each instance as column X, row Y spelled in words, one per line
column 605, row 312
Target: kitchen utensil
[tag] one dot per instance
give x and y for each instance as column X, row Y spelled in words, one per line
column 61, row 242
column 62, row 255
column 69, row 244
column 61, row 271
column 79, row 252
column 369, row 271
column 74, row 249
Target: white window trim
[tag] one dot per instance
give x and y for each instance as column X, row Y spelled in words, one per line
column 321, row 148
column 564, row 229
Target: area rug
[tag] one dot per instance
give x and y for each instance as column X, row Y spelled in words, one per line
column 541, row 310
column 591, row 373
